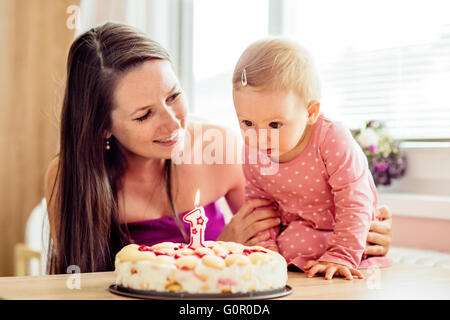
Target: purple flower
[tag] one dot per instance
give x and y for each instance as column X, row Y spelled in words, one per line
column 382, row 166
column 381, row 177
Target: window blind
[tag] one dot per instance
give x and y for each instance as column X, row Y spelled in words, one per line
column 380, row 60
column 407, row 88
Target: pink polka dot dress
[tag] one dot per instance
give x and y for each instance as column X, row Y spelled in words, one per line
column 326, row 198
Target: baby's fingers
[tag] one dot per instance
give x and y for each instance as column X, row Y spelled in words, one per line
column 318, row 268
column 348, row 273
column 357, row 273
column 330, row 272
column 310, row 264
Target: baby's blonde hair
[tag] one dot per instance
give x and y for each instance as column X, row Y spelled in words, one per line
column 278, row 64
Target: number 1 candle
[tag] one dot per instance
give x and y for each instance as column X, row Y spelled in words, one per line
column 197, row 220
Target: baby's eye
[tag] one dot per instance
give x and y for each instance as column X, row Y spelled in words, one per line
column 275, row 125
column 248, row 123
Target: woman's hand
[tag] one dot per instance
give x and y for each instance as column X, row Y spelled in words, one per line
column 254, row 216
column 330, row 269
column 380, row 233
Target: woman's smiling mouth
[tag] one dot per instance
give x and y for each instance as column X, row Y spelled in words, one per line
column 168, row 141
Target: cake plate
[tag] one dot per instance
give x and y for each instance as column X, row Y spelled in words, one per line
column 158, row 295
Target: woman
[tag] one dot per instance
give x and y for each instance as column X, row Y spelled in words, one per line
column 114, row 181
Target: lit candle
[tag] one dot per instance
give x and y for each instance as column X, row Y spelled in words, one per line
column 197, row 220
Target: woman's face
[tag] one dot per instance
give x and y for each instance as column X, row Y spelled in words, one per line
column 150, row 110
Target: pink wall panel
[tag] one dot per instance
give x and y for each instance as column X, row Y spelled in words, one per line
column 421, row 233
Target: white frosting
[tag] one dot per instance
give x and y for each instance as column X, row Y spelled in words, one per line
column 213, row 273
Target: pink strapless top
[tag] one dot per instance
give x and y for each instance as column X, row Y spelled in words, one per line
column 150, row 232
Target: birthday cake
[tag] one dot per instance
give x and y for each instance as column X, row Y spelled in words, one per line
column 214, row 267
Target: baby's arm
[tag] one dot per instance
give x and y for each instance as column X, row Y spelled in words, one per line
column 254, row 191
column 354, row 197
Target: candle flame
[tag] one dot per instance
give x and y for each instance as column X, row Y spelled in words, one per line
column 197, row 198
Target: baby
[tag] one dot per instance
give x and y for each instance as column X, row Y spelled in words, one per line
column 322, row 186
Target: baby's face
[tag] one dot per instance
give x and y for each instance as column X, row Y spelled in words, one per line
column 283, row 111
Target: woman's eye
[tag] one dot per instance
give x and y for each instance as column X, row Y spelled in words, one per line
column 275, row 125
column 145, row 116
column 247, row 123
column 173, row 97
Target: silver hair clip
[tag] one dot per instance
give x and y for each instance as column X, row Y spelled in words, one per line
column 244, row 77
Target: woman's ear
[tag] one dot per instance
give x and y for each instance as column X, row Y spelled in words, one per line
column 107, row 134
column 313, row 111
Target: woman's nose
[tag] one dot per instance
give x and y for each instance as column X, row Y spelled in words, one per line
column 170, row 119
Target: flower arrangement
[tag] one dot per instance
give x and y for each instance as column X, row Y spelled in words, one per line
column 386, row 160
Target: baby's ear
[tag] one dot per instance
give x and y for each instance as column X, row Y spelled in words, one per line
column 313, row 111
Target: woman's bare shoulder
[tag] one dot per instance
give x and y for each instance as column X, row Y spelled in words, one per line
column 213, row 136
column 221, row 153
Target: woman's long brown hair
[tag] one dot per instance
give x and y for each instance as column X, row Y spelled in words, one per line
column 87, row 218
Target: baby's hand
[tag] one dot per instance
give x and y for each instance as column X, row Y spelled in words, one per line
column 329, row 269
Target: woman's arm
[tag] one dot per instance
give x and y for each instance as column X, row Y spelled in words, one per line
column 235, row 196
